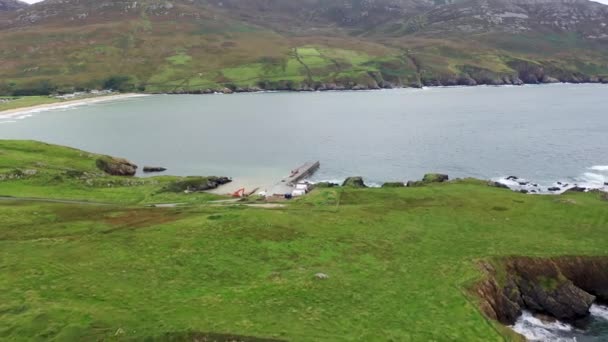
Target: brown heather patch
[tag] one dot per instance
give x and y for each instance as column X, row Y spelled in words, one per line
column 141, row 218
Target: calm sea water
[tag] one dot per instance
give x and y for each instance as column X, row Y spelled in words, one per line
column 541, row 133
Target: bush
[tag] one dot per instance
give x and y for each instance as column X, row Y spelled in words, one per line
column 120, row 83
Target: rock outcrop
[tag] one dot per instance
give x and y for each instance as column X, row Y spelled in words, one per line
column 563, row 288
column 116, row 166
column 354, row 182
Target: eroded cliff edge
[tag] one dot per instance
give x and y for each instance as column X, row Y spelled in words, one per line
column 562, row 287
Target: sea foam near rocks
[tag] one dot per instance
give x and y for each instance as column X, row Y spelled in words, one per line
column 534, row 329
column 537, row 330
column 599, row 311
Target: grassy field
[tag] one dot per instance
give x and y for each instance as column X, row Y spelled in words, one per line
column 400, row 261
column 26, row 101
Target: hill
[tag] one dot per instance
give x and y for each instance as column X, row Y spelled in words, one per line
column 200, row 45
column 11, row 5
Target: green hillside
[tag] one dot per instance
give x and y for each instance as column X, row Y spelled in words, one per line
column 199, row 46
column 400, row 262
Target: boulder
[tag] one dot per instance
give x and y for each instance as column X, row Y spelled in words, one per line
column 577, row 189
column 116, row 166
column 354, row 182
column 154, row 169
column 555, row 188
column 393, row 185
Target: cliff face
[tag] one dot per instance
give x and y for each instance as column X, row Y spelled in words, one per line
column 563, row 287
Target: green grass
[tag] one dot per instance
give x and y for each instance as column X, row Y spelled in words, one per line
column 66, row 173
column 400, row 260
column 26, row 101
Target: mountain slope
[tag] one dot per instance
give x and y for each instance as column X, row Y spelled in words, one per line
column 204, row 45
column 11, row 5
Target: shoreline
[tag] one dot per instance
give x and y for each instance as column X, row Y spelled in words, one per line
column 106, row 98
column 68, row 103
column 254, row 90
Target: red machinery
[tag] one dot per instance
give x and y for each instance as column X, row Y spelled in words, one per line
column 239, row 193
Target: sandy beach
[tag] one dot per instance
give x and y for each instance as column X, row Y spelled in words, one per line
column 67, row 104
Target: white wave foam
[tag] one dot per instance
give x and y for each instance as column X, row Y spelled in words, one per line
column 599, row 168
column 534, row 329
column 599, row 311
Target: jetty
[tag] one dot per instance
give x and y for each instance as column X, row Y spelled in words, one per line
column 288, row 184
column 302, row 172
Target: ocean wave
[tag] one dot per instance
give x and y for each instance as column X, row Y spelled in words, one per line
column 534, row 329
column 596, row 180
column 599, row 311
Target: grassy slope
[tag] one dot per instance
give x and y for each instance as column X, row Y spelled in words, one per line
column 66, row 173
column 399, row 261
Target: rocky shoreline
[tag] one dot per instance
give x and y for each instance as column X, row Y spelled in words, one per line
column 562, row 288
column 533, row 76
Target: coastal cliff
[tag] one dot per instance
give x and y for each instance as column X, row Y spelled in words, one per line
column 563, row 288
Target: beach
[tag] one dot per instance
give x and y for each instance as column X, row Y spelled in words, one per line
column 66, row 104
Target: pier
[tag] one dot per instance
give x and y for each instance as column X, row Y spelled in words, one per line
column 287, row 185
column 302, row 172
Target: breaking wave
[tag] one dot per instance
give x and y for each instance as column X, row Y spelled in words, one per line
column 534, row 329
column 593, row 178
column 599, row 311
column 537, row 330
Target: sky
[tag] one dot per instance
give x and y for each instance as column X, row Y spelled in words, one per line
column 34, row 1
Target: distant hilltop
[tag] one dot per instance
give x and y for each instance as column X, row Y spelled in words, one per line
column 11, row 5
column 241, row 45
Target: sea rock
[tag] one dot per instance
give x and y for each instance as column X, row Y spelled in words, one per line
column 512, row 178
column 116, row 166
column 555, row 188
column 435, row 178
column 154, row 169
column 393, row 185
column 577, row 189
column 523, row 191
column 354, row 182
column 544, row 289
column 498, row 185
